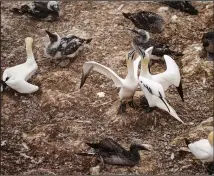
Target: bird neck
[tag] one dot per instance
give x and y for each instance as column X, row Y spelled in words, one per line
column 130, row 68
column 29, row 51
column 134, row 153
column 144, row 67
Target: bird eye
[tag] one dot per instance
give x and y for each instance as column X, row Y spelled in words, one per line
column 141, row 81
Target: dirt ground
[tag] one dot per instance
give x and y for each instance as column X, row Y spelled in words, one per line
column 41, row 132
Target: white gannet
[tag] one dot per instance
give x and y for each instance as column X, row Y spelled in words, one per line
column 208, row 44
column 16, row 77
column 40, row 10
column 155, row 96
column 170, row 77
column 68, row 46
column 127, row 86
column 202, row 149
column 149, row 21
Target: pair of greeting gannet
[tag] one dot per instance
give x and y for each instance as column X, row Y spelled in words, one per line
column 202, row 149
column 16, row 77
column 151, row 85
column 110, row 152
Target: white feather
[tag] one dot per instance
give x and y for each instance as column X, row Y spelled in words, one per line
column 202, row 150
column 19, row 74
column 155, row 95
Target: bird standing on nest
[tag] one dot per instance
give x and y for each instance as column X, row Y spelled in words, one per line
column 110, row 152
column 127, row 86
column 148, row 21
column 40, row 10
column 68, row 46
column 203, row 150
column 208, row 44
column 16, row 77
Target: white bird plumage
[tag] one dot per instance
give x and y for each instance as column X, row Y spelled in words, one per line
column 127, row 86
column 203, row 149
column 169, row 77
column 155, row 96
column 16, row 77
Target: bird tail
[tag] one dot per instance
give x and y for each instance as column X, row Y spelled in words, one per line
column 180, row 91
column 88, row 40
column 85, row 154
column 17, row 11
column 187, row 141
column 93, row 145
column 127, row 15
column 3, row 85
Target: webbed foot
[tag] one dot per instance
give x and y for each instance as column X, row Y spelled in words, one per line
column 122, row 108
column 132, row 104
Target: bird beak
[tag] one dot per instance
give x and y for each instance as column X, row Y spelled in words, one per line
column 141, row 51
column 131, row 54
column 52, row 37
column 133, row 30
column 145, row 147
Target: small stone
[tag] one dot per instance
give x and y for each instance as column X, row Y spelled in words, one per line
column 101, row 94
column 95, row 170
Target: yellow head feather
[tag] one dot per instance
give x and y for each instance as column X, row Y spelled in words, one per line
column 210, row 138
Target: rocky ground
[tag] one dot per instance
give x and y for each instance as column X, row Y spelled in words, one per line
column 41, row 132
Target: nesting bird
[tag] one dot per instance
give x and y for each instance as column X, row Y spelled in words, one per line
column 110, row 152
column 68, row 46
column 202, row 149
column 127, row 86
column 16, row 77
column 40, row 10
column 148, row 21
column 208, row 44
column 142, row 39
column 183, row 6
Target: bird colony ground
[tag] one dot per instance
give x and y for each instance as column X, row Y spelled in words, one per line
column 41, row 132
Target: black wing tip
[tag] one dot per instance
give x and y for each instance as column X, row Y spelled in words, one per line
column 88, row 40
column 180, row 91
column 187, row 142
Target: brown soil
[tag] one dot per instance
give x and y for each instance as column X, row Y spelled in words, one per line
column 44, row 130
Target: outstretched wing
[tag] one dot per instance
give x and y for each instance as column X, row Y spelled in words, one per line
column 108, row 145
column 88, row 66
column 171, row 76
column 21, row 86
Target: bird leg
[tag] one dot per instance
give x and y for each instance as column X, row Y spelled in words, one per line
column 122, row 108
column 132, row 104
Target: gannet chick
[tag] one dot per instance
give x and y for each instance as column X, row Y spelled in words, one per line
column 16, row 77
column 183, row 6
column 110, row 152
column 170, row 77
column 143, row 40
column 40, row 10
column 208, row 44
column 127, row 86
column 148, row 21
column 155, row 96
column 202, row 149
column 68, row 46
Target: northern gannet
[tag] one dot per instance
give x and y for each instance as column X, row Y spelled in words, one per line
column 143, row 40
column 155, row 96
column 47, row 11
column 110, row 152
column 149, row 21
column 183, row 6
column 16, row 77
column 208, row 44
column 127, row 86
column 68, row 46
column 202, row 149
column 170, row 77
